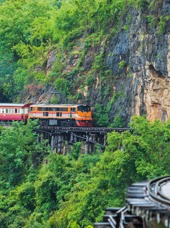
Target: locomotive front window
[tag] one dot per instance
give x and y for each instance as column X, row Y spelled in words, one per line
column 84, row 108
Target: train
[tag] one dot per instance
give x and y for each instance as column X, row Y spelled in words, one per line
column 64, row 115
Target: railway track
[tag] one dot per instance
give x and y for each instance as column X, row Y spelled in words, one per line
column 147, row 205
column 83, row 129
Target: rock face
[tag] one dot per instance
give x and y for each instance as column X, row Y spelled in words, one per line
column 157, row 95
column 145, row 50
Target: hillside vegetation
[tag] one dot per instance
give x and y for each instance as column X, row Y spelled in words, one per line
column 29, row 30
column 43, row 189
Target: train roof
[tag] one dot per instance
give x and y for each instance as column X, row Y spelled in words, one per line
column 56, row 105
column 13, row 105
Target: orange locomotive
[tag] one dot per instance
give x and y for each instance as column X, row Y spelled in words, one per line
column 62, row 114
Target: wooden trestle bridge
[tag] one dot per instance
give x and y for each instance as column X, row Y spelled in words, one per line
column 60, row 138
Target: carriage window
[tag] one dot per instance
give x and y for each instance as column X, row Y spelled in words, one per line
column 59, row 114
column 15, row 110
column 52, row 109
column 43, row 109
column 45, row 113
column 73, row 109
column 62, row 109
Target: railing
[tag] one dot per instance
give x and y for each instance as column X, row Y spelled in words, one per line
column 146, row 203
column 155, row 193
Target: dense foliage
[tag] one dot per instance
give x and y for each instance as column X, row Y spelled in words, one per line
column 42, row 189
column 30, row 30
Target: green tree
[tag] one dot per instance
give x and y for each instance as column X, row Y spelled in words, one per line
column 18, row 152
column 129, row 157
column 74, row 190
column 100, row 115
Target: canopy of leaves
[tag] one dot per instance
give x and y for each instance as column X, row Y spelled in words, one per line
column 29, row 30
column 39, row 189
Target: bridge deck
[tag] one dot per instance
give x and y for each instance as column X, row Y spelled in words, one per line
column 82, row 129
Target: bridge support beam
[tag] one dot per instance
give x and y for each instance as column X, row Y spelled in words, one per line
column 60, row 137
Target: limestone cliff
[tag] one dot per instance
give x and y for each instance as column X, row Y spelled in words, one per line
column 146, row 52
column 135, row 62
